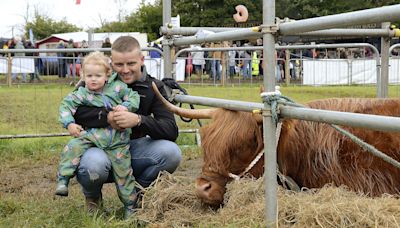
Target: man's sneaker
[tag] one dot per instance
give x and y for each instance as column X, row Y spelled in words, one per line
column 94, row 204
column 62, row 189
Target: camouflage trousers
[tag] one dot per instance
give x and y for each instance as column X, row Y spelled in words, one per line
column 116, row 145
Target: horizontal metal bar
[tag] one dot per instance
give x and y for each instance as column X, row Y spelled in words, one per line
column 216, row 37
column 373, row 122
column 68, row 50
column 189, row 31
column 188, row 131
column 292, row 47
column 33, row 135
column 21, row 136
column 375, row 15
column 221, row 103
column 351, row 32
column 344, row 45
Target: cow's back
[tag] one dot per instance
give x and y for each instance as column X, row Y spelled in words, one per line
column 314, row 154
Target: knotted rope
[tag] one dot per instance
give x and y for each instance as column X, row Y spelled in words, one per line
column 273, row 98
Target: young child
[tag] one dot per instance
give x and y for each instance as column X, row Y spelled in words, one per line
column 101, row 90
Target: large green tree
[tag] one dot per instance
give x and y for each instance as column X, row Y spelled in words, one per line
column 115, row 26
column 43, row 26
column 210, row 13
column 217, row 13
column 301, row 9
column 147, row 19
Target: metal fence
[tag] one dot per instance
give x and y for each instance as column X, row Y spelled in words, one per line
column 269, row 30
column 358, row 65
column 37, row 114
column 50, row 65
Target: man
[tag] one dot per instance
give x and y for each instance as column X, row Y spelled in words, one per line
column 153, row 128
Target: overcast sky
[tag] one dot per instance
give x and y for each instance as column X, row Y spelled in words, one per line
column 86, row 14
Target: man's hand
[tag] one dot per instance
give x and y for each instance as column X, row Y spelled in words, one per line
column 120, row 108
column 126, row 119
column 74, row 129
column 111, row 121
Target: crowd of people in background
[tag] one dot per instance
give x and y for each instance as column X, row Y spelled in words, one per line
column 247, row 64
column 19, row 43
column 243, row 64
column 68, row 63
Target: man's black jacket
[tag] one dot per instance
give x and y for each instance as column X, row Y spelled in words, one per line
column 157, row 121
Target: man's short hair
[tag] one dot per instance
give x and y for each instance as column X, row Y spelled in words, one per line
column 125, row 44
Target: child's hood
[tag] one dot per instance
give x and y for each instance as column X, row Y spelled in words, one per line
column 113, row 77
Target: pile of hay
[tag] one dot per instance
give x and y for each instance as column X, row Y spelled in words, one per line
column 172, row 202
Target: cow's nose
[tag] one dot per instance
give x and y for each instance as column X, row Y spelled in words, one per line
column 205, row 187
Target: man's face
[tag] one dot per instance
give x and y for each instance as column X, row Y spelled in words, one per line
column 128, row 65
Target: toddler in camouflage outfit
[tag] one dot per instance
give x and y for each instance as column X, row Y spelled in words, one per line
column 101, row 90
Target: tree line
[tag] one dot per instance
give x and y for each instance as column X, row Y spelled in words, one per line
column 204, row 13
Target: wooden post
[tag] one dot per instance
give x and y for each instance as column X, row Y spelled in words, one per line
column 287, row 66
column 9, row 70
column 223, row 73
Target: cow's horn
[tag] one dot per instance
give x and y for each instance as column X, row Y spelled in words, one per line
column 258, row 118
column 187, row 113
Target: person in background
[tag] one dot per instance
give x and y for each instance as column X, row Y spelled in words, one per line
column 35, row 74
column 216, row 68
column 18, row 45
column 84, row 44
column 198, row 60
column 70, row 60
column 106, row 44
column 9, row 44
column 232, row 62
column 247, row 62
column 61, row 60
column 155, row 54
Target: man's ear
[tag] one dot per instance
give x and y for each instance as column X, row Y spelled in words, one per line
column 142, row 59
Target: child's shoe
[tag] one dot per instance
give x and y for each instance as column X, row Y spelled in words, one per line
column 62, row 189
column 129, row 212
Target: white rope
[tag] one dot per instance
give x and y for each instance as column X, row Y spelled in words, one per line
column 276, row 92
column 257, row 158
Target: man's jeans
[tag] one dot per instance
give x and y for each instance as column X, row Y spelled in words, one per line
column 149, row 157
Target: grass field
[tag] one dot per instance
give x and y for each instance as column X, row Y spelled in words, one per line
column 28, row 166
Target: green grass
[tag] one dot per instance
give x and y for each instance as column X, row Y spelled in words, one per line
column 27, row 166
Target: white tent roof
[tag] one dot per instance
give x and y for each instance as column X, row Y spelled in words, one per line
column 79, row 36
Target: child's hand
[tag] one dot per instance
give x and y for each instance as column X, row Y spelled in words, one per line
column 111, row 121
column 74, row 129
column 120, row 108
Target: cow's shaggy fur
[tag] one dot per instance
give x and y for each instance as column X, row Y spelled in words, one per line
column 313, row 154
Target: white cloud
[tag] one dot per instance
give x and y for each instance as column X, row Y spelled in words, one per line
column 87, row 14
